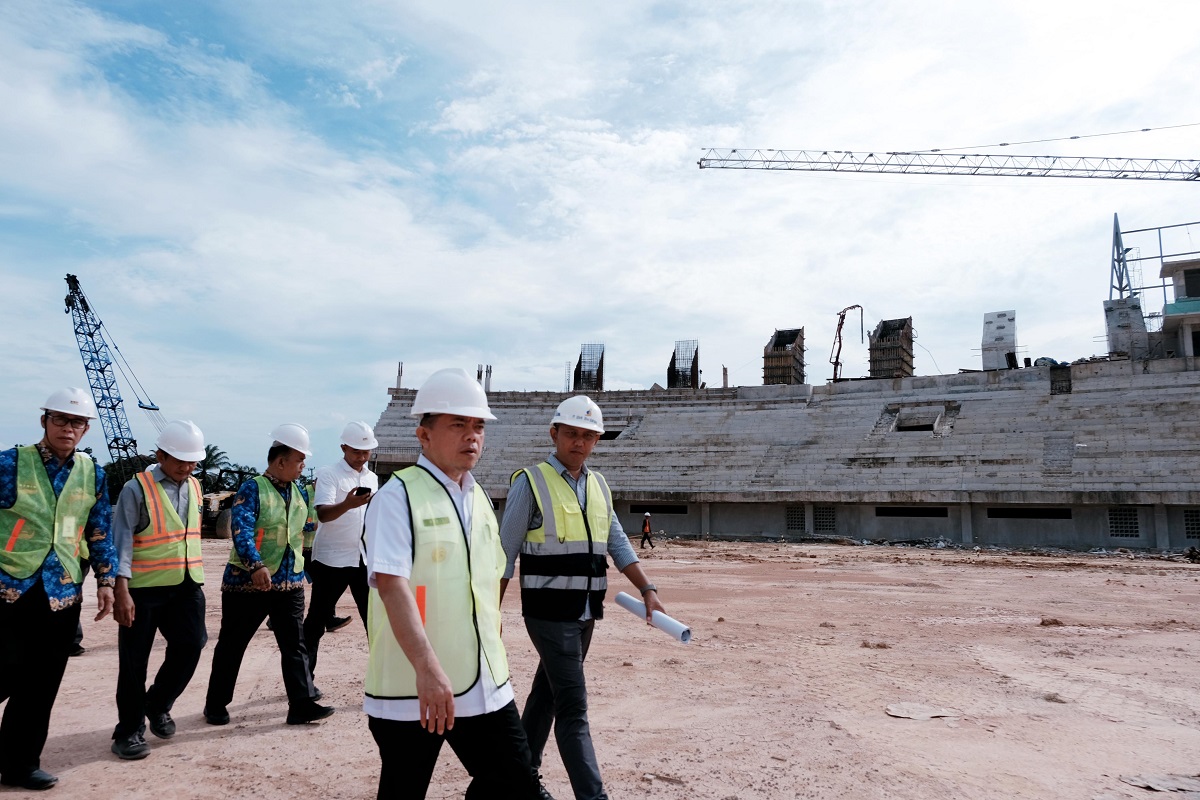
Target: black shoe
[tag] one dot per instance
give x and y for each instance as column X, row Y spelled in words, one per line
column 216, row 716
column 76, row 650
column 161, row 724
column 317, row 694
column 309, row 712
column 36, row 780
column 543, row 792
column 131, row 747
column 337, row 623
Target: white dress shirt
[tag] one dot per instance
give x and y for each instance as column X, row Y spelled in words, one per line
column 337, row 541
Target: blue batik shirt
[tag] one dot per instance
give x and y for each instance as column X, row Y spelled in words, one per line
column 244, row 522
column 60, row 589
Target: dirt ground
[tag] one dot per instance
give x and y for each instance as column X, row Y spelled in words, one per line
column 1062, row 672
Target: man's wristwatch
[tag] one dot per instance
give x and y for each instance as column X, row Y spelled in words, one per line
column 649, row 587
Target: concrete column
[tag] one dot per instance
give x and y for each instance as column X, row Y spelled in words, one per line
column 1185, row 340
column 809, row 527
column 968, row 534
column 1162, row 536
column 705, row 519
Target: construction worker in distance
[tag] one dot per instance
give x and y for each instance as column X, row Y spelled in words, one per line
column 51, row 500
column 160, row 577
column 265, row 579
column 559, row 518
column 647, row 532
column 437, row 669
column 343, row 490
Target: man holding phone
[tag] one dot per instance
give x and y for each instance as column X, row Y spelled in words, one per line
column 343, row 490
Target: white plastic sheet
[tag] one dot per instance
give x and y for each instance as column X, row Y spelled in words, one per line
column 669, row 625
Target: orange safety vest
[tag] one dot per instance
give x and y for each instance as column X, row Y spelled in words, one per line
column 168, row 547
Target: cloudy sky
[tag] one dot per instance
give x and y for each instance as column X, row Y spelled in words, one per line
column 271, row 204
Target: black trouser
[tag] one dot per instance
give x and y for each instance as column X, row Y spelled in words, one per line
column 646, row 537
column 34, row 643
column 492, row 747
column 328, row 586
column 558, row 698
column 241, row 614
column 178, row 613
column 85, row 566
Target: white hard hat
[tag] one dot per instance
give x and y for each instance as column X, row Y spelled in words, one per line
column 359, row 436
column 71, row 401
column 579, row 412
column 293, row 435
column 647, row 513
column 182, row 439
column 451, row 391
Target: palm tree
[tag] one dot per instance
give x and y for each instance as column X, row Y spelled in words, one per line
column 209, row 468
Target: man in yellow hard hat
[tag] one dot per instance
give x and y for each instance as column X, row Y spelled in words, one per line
column 160, row 577
column 52, row 498
column 559, row 518
column 265, row 579
column 437, row 669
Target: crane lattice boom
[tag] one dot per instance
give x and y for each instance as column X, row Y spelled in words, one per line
column 935, row 163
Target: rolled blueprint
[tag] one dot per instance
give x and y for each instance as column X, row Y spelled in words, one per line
column 674, row 627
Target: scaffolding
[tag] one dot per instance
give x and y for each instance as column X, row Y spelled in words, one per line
column 891, row 349
column 684, row 369
column 589, row 369
column 783, row 358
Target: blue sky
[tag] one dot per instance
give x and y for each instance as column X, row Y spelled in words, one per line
column 271, row 204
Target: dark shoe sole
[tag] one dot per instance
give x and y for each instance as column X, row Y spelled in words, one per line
column 36, row 782
column 127, row 755
column 307, row 717
column 216, row 719
column 340, row 623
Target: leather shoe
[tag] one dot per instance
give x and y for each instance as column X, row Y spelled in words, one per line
column 308, row 712
column 161, row 724
column 131, row 747
column 77, row 650
column 317, row 694
column 543, row 792
column 336, row 624
column 216, row 716
column 36, row 780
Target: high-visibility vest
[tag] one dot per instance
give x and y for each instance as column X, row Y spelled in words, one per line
column 456, row 586
column 311, row 535
column 39, row 521
column 563, row 563
column 167, row 547
column 279, row 525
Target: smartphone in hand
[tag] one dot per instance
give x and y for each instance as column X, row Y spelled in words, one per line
column 361, row 490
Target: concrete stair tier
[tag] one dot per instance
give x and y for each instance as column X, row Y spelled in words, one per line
column 1126, row 432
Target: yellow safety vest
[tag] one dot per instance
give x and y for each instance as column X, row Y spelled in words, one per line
column 456, row 586
column 167, row 547
column 565, row 561
column 39, row 521
column 279, row 525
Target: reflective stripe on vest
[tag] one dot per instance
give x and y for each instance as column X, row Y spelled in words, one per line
column 456, row 587
column 280, row 524
column 38, row 521
column 166, row 548
column 563, row 562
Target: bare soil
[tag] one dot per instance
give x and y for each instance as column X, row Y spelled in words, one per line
column 1062, row 672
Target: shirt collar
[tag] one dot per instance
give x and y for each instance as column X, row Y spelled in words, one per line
column 48, row 456
column 561, row 468
column 468, row 481
column 278, row 484
column 156, row 472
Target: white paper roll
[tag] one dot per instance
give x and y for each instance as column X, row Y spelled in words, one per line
column 674, row 627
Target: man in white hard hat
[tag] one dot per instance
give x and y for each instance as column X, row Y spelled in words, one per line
column 647, row 531
column 559, row 518
column 343, row 490
column 62, row 502
column 160, row 575
column 265, row 579
column 437, row 669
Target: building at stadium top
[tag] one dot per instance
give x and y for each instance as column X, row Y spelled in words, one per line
column 1099, row 453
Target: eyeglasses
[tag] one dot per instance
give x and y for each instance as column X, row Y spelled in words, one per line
column 78, row 423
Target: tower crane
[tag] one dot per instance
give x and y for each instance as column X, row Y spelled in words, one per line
column 934, row 162
column 835, row 357
column 99, row 366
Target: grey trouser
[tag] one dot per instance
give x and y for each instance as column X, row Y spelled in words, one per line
column 558, row 697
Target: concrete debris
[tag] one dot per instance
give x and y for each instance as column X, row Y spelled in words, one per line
column 654, row 776
column 1050, row 622
column 918, row 711
column 1165, row 783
